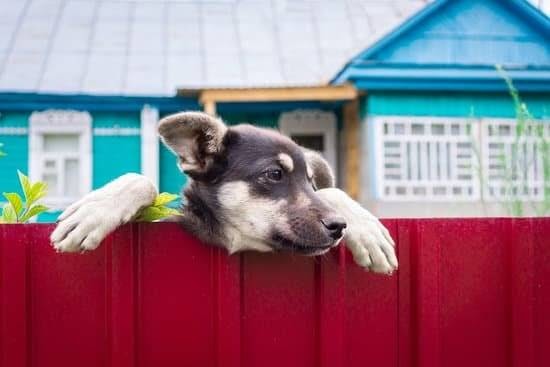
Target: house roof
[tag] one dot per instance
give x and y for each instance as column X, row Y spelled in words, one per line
column 456, row 44
column 154, row 47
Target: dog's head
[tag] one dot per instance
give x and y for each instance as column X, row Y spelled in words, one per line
column 258, row 184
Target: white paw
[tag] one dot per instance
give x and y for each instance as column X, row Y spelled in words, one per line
column 84, row 224
column 367, row 239
column 371, row 244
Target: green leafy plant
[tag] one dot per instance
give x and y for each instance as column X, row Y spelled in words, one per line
column 17, row 210
column 513, row 166
column 160, row 209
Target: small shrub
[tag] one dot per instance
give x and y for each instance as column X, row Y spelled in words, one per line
column 17, row 210
column 159, row 210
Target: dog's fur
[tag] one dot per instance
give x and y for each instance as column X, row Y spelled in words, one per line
column 250, row 189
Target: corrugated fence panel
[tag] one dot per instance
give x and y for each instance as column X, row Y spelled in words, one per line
column 470, row 292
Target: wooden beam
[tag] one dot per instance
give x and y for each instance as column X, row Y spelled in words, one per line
column 210, row 107
column 320, row 93
column 352, row 138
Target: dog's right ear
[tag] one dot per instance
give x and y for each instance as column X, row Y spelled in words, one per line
column 195, row 138
column 321, row 173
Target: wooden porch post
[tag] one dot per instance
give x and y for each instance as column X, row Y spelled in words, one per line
column 352, row 138
column 210, row 107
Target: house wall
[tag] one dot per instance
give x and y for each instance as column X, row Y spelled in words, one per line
column 116, row 154
column 171, row 179
column 115, row 145
column 13, row 135
column 435, row 104
column 454, row 104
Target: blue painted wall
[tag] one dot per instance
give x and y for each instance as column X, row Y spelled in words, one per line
column 115, row 155
column 16, row 146
column 455, row 104
column 170, row 177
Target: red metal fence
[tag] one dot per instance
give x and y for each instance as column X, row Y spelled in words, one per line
column 472, row 292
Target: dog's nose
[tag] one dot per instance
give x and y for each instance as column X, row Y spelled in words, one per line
column 335, row 226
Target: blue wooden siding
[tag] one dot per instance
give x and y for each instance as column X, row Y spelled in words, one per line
column 452, row 104
column 467, row 32
column 16, row 148
column 455, row 45
column 115, row 155
column 38, row 102
column 171, row 179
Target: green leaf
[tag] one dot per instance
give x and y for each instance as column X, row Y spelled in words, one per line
column 2, row 154
column 25, row 184
column 154, row 213
column 32, row 212
column 15, row 201
column 164, row 198
column 8, row 214
column 38, row 191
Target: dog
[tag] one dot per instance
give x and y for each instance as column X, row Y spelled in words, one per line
column 250, row 188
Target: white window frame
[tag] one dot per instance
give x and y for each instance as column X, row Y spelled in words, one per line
column 492, row 188
column 61, row 122
column 313, row 122
column 150, row 143
column 430, row 186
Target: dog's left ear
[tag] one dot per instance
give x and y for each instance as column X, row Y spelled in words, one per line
column 195, row 138
column 320, row 170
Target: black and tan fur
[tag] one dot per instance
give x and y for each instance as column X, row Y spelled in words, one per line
column 250, row 189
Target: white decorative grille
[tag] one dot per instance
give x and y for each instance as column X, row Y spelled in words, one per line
column 425, row 159
column 513, row 163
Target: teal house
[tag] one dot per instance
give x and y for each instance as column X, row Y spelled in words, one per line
column 438, row 122
column 402, row 97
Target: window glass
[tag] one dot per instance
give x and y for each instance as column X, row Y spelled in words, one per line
column 61, row 143
column 71, row 177
column 51, row 180
column 313, row 142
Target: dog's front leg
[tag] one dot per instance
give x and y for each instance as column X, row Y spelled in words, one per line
column 84, row 224
column 367, row 239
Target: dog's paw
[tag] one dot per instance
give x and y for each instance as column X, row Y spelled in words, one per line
column 371, row 244
column 367, row 239
column 84, row 224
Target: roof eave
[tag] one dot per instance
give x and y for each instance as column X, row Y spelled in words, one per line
column 344, row 92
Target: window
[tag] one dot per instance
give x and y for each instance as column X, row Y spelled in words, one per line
column 444, row 159
column 313, row 129
column 60, row 154
column 513, row 165
column 420, row 158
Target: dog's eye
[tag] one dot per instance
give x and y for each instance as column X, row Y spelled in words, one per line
column 274, row 174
